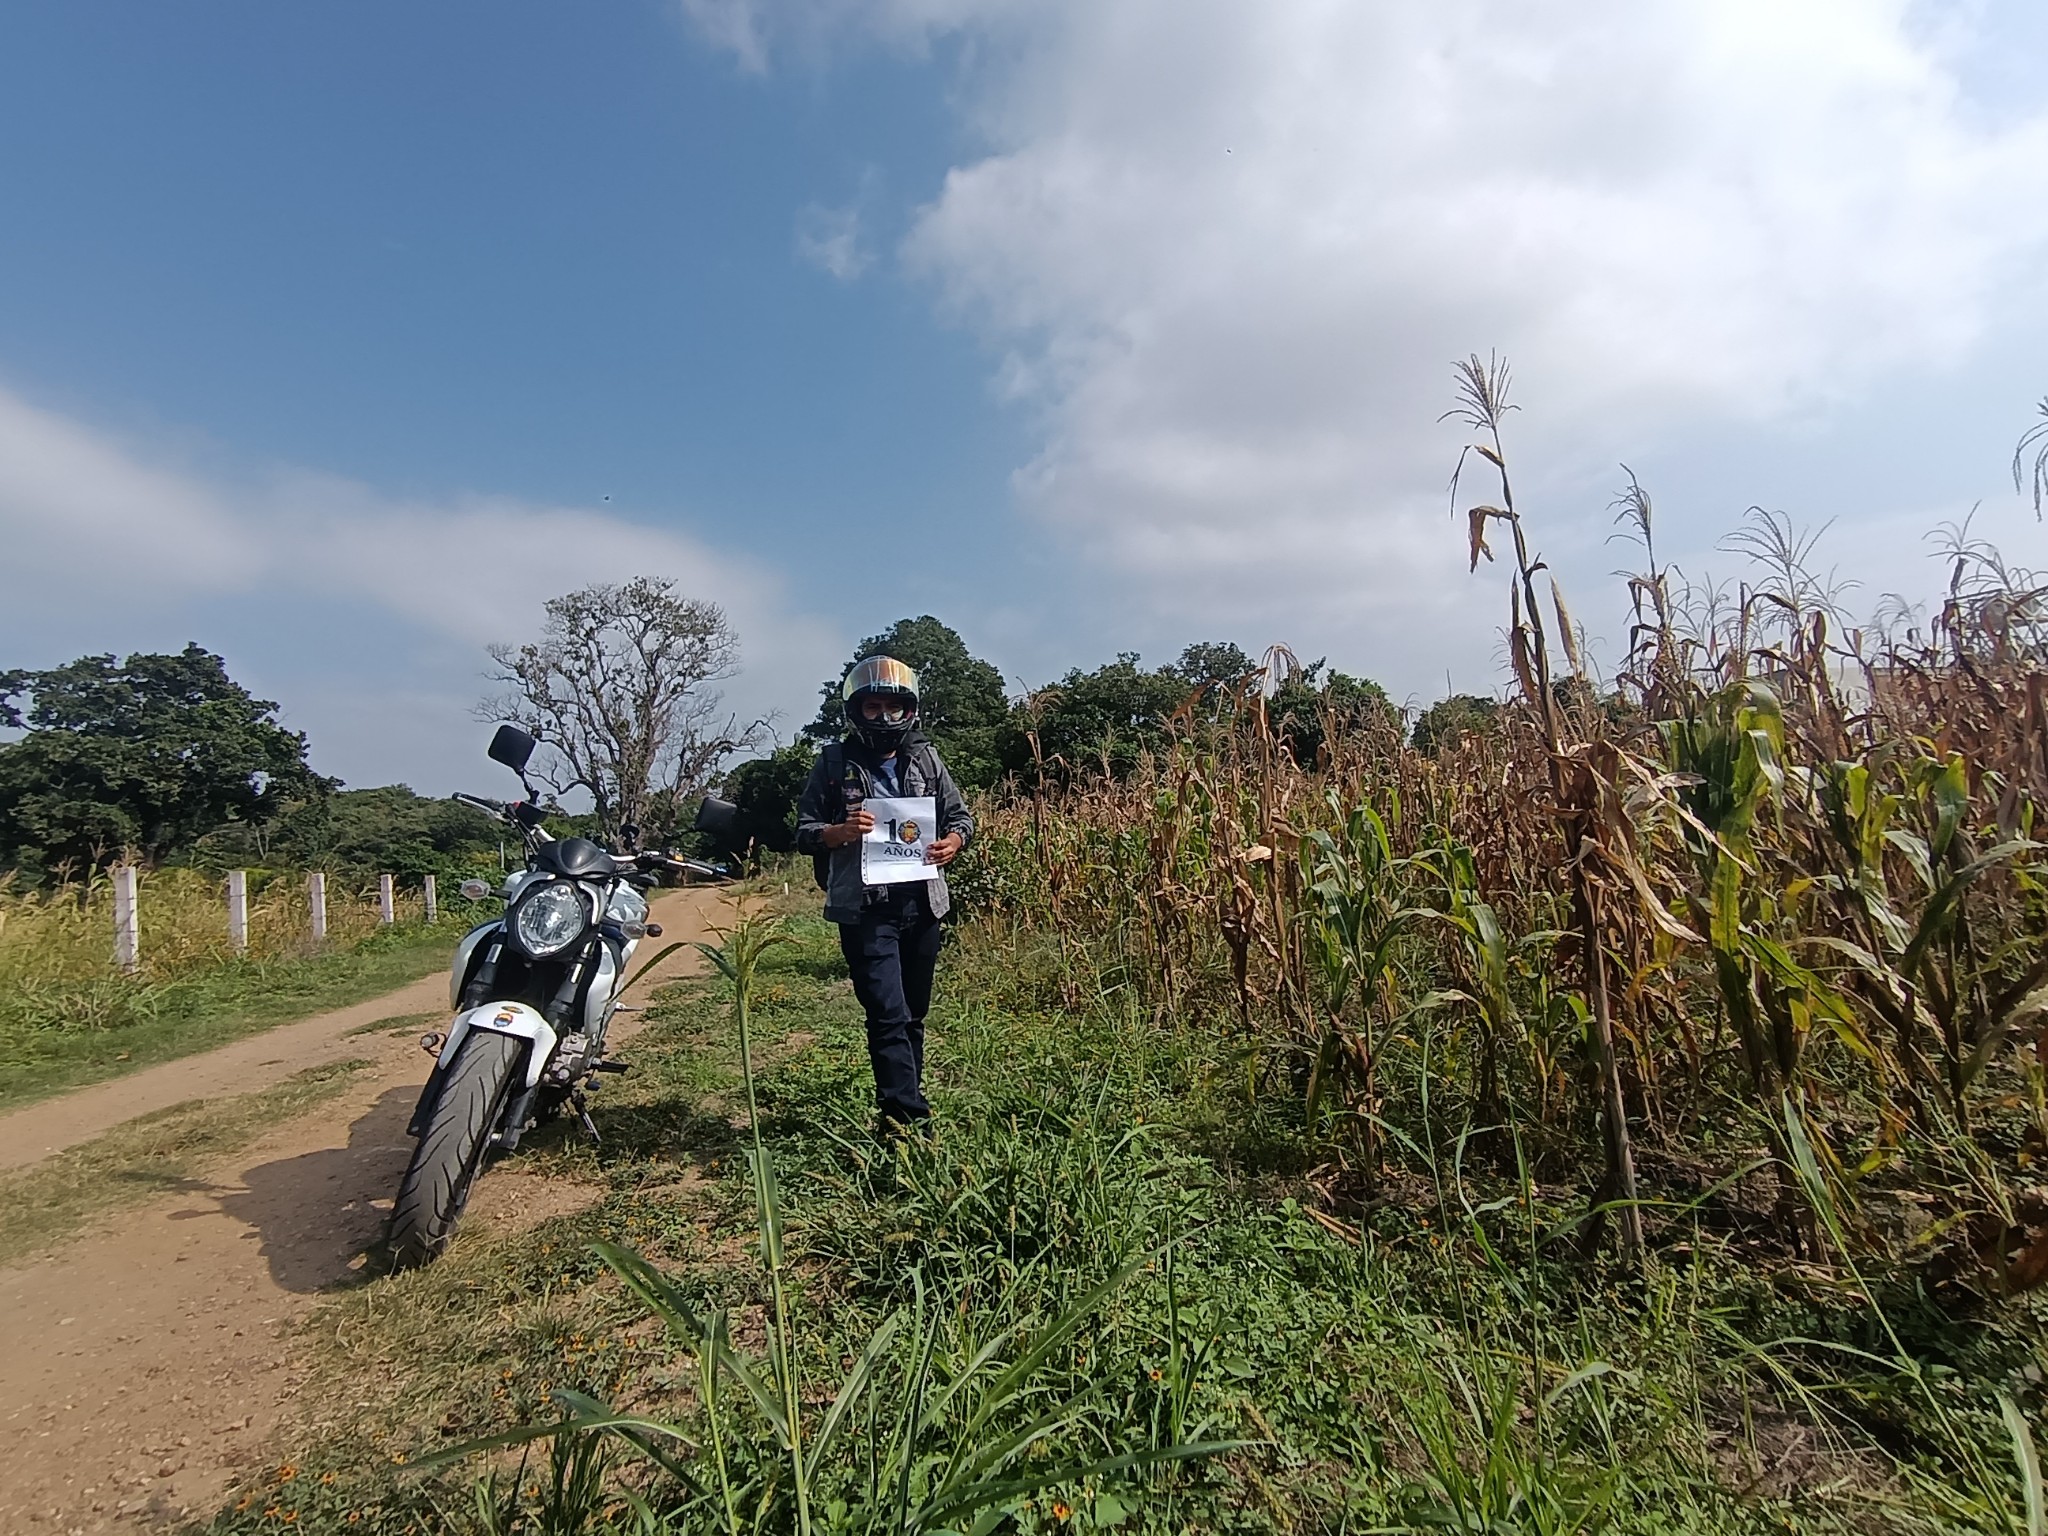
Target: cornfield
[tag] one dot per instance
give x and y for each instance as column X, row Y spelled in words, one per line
column 1753, row 930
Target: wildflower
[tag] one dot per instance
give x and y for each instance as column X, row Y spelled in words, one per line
column 326, row 1479
column 1062, row 1510
column 1153, row 1373
column 287, row 1472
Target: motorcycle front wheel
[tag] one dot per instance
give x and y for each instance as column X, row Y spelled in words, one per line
column 451, row 1147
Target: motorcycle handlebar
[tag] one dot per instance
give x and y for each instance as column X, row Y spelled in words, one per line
column 495, row 807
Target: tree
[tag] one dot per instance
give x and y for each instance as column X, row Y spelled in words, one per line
column 961, row 705
column 766, row 790
column 1440, row 725
column 361, row 833
column 1112, row 713
column 618, row 688
column 1212, row 663
column 1309, row 704
column 145, row 755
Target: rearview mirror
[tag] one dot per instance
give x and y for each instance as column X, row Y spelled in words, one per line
column 512, row 747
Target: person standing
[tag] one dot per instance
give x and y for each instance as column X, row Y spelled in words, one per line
column 888, row 933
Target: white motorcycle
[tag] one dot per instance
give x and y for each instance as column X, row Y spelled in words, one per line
column 533, row 992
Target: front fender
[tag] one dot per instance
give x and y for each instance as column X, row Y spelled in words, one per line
column 507, row 1019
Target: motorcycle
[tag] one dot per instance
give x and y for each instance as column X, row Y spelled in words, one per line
column 533, row 992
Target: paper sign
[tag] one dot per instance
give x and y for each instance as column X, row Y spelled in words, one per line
column 894, row 851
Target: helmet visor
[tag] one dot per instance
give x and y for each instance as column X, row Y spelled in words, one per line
column 880, row 674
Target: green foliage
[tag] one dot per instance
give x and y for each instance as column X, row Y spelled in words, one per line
column 362, row 833
column 1439, row 1359
column 144, row 755
column 766, row 790
column 961, row 707
column 58, row 1035
column 1110, row 715
column 1440, row 725
column 938, row 1437
column 1216, row 663
column 1309, row 706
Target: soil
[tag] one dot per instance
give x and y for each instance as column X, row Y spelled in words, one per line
column 149, row 1360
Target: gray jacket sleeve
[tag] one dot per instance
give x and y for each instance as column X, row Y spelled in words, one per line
column 818, row 807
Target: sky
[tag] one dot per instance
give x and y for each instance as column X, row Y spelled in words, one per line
column 340, row 337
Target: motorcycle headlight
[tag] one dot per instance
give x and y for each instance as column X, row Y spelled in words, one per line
column 551, row 919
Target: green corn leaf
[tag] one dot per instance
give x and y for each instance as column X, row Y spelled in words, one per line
column 2029, row 1464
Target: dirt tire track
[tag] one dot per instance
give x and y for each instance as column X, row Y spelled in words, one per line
column 149, row 1361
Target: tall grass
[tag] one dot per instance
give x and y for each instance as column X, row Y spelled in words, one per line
column 1439, row 1358
column 935, row 1426
column 65, row 933
column 68, row 1014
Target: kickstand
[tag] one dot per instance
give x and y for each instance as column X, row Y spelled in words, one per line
column 583, row 1114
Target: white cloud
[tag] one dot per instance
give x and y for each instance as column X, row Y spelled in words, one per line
column 90, row 521
column 830, row 240
column 1229, row 249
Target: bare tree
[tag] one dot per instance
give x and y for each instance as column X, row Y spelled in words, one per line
column 619, row 688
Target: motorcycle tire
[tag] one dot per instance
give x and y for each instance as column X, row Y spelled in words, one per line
column 451, row 1147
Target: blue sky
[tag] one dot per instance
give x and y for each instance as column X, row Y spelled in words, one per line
column 338, row 336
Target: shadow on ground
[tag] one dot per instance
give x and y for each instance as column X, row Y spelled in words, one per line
column 319, row 1214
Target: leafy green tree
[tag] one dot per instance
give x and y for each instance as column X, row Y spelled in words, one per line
column 1441, row 724
column 364, row 832
column 766, row 789
column 1310, row 703
column 961, row 706
column 1111, row 714
column 145, row 755
column 1209, row 662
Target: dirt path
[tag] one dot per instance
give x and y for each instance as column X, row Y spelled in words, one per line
column 146, row 1362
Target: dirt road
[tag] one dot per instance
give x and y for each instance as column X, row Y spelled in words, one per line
column 147, row 1361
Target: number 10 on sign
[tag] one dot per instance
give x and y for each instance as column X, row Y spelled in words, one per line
column 896, row 849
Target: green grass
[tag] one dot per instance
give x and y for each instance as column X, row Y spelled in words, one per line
column 399, row 1024
column 1448, row 1362
column 85, row 1032
column 49, row 1201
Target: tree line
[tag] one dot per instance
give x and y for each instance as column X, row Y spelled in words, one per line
column 1102, row 720
column 165, row 758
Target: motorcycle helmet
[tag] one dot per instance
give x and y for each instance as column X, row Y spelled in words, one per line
column 894, row 685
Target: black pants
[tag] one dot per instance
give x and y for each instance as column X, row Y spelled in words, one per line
column 891, row 954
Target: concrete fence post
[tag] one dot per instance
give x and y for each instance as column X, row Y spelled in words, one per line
column 433, row 907
column 316, row 904
column 238, row 911
column 387, row 901
column 127, row 933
